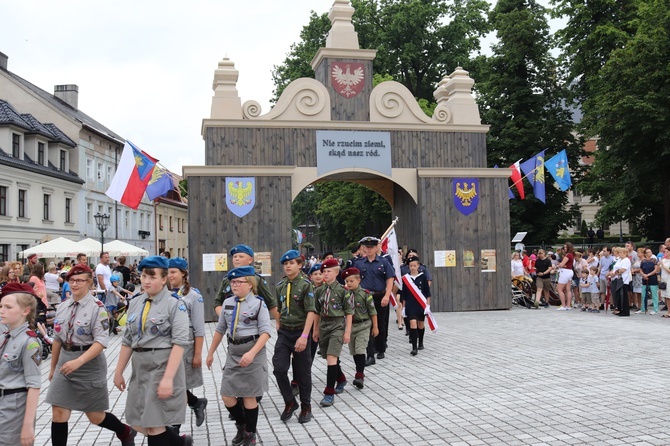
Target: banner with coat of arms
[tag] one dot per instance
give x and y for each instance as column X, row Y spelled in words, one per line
column 466, row 194
column 240, row 195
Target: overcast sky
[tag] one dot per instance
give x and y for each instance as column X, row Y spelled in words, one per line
column 145, row 68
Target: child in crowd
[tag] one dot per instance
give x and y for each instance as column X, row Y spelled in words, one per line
column 593, row 289
column 20, row 368
column 365, row 317
column 332, row 327
column 66, row 292
column 584, row 289
column 413, row 309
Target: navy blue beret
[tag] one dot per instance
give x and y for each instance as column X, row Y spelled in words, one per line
column 153, row 262
column 244, row 249
column 178, row 262
column 290, row 255
column 316, row 267
column 242, row 271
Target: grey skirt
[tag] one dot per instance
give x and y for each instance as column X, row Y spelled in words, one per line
column 249, row 381
column 193, row 376
column 143, row 407
column 12, row 412
column 84, row 390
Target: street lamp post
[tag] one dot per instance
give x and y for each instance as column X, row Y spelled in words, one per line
column 102, row 223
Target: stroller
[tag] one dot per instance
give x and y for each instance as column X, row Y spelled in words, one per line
column 522, row 293
column 121, row 313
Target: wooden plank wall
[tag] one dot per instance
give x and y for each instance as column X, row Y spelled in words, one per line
column 356, row 108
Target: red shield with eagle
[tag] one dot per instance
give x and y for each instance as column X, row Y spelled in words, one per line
column 347, row 78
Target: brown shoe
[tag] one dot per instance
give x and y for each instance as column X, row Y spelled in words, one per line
column 289, row 410
column 305, row 414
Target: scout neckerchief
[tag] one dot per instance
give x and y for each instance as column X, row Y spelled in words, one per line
column 7, row 336
column 177, row 292
column 70, row 323
column 288, row 297
column 236, row 316
column 145, row 313
column 326, row 302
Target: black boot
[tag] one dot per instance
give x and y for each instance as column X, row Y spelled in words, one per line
column 239, row 438
column 412, row 339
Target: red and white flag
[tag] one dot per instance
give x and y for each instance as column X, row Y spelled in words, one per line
column 390, row 246
column 517, row 180
column 132, row 176
column 418, row 295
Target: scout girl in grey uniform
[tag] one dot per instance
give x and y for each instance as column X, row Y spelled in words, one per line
column 195, row 307
column 20, row 360
column 332, row 327
column 365, row 317
column 78, row 368
column 245, row 321
column 156, row 335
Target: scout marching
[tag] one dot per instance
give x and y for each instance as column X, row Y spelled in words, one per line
column 164, row 335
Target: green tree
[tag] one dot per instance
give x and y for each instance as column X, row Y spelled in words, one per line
column 630, row 112
column 520, row 94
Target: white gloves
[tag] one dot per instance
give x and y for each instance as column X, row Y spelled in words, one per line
column 427, row 310
column 404, row 314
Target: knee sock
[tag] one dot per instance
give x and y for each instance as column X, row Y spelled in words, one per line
column 114, row 424
column 59, row 434
column 175, row 428
column 331, row 376
column 421, row 332
column 167, row 438
column 340, row 376
column 359, row 360
column 252, row 418
column 238, row 413
column 413, row 334
column 191, row 399
column 406, row 321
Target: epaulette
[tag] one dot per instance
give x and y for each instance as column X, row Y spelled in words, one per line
column 99, row 302
column 31, row 333
column 261, row 298
column 280, row 282
column 196, row 290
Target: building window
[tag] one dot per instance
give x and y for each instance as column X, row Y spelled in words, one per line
column 141, row 221
column 4, row 253
column 40, row 153
column 22, row 203
column 109, row 173
column 160, row 222
column 171, row 229
column 127, row 220
column 3, row 200
column 89, row 169
column 16, row 145
column 47, row 203
column 89, row 213
column 100, row 172
column 68, row 209
column 62, row 160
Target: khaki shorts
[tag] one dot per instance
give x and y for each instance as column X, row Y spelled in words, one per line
column 331, row 334
column 543, row 283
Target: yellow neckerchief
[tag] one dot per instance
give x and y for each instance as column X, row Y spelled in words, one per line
column 236, row 316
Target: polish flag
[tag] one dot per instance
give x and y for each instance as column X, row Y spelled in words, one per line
column 418, row 295
column 516, row 178
column 390, row 246
column 132, row 176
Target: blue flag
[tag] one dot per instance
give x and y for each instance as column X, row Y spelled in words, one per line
column 160, row 184
column 533, row 168
column 558, row 168
column 510, row 194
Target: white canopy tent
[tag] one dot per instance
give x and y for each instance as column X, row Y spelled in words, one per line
column 59, row 247
column 118, row 248
column 90, row 247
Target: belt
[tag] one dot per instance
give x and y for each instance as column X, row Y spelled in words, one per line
column 361, row 321
column 243, row 340
column 75, row 348
column 4, row 392
column 142, row 350
column 298, row 328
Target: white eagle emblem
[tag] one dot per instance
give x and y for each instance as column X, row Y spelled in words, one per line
column 348, row 82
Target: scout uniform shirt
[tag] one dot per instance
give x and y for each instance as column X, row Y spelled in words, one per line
column 82, row 323
column 195, row 308
column 263, row 287
column 293, row 311
column 253, row 318
column 364, row 304
column 21, row 355
column 166, row 322
column 332, row 301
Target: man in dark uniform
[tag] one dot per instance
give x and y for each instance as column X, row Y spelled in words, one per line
column 243, row 255
column 355, row 256
column 377, row 277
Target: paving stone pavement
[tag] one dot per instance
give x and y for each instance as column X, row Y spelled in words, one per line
column 518, row 377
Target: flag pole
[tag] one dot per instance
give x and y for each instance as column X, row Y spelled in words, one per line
column 393, row 223
column 525, row 176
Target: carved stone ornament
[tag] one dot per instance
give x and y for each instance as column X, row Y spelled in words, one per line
column 302, row 99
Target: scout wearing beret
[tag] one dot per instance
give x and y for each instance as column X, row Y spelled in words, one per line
column 365, row 317
column 245, row 322
column 78, row 372
column 156, row 335
column 195, row 307
column 20, row 358
column 332, row 327
column 377, row 277
column 295, row 297
column 243, row 255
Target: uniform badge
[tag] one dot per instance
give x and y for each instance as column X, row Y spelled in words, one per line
column 154, row 330
column 105, row 324
column 37, row 357
column 80, row 331
column 200, row 299
column 132, row 318
column 56, row 327
column 104, row 314
column 182, row 307
column 466, row 194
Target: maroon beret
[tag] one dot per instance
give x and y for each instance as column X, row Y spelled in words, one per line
column 330, row 263
column 16, row 288
column 78, row 269
column 32, row 255
column 350, row 272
